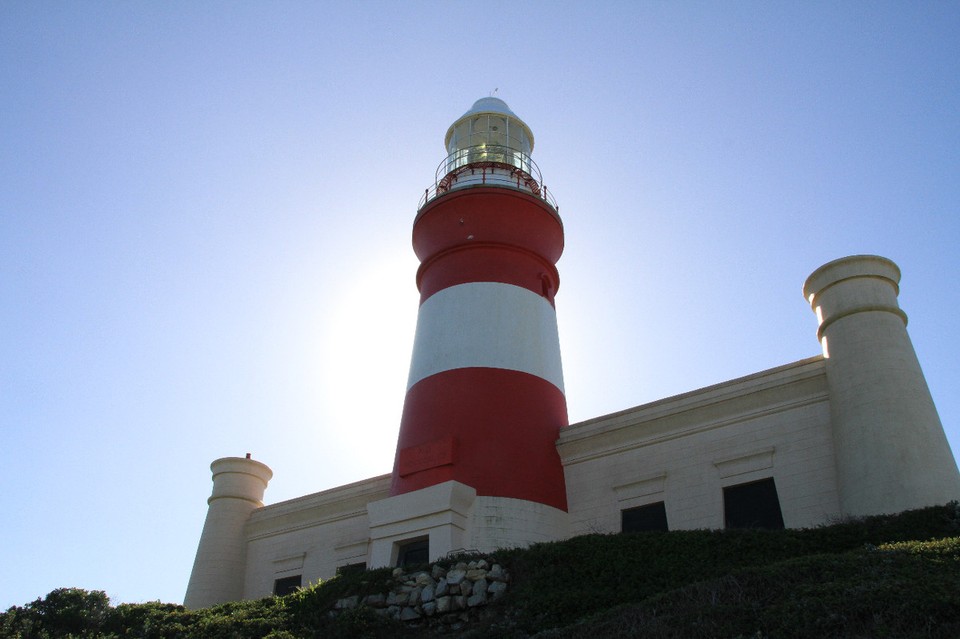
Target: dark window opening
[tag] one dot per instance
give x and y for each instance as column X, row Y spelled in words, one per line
column 351, row 568
column 412, row 553
column 752, row 505
column 286, row 585
column 644, row 518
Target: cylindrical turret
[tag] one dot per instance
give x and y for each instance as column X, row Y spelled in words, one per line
column 891, row 451
column 485, row 399
column 220, row 565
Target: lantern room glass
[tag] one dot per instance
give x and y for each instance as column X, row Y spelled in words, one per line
column 489, row 137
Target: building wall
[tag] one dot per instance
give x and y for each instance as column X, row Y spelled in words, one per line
column 501, row 522
column 311, row 536
column 684, row 450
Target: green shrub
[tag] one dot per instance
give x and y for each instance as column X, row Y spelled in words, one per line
column 559, row 583
column 64, row 612
column 904, row 590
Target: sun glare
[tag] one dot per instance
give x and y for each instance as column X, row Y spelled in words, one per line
column 366, row 357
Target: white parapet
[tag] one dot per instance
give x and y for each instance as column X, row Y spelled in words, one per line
column 891, row 451
column 439, row 513
column 220, row 565
column 454, row 518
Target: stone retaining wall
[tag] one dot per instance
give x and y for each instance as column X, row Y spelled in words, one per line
column 437, row 595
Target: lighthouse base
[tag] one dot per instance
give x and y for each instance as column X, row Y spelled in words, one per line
column 451, row 517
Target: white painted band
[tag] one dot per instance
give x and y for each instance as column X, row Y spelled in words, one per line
column 487, row 325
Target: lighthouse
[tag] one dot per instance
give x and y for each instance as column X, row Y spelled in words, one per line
column 485, row 458
column 485, row 397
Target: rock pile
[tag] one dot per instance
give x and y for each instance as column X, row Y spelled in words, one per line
column 442, row 595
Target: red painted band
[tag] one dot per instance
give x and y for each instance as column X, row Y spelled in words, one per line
column 489, row 215
column 488, row 263
column 415, row 459
column 505, row 425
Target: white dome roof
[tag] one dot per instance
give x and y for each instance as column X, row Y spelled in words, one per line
column 490, row 105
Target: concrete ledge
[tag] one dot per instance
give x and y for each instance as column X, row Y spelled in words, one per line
column 441, row 513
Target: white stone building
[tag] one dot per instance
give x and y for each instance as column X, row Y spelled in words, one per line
column 850, row 432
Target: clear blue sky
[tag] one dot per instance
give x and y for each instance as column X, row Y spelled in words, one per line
column 205, row 214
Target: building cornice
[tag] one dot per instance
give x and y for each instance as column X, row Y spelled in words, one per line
column 761, row 394
column 343, row 502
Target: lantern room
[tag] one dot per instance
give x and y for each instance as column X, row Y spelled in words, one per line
column 489, row 122
column 488, row 146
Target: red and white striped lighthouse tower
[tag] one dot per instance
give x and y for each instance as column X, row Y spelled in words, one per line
column 485, row 398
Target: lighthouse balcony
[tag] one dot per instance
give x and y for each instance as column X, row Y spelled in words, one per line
column 488, row 165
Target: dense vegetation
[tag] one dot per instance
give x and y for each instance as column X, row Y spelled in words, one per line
column 891, row 576
column 903, row 590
